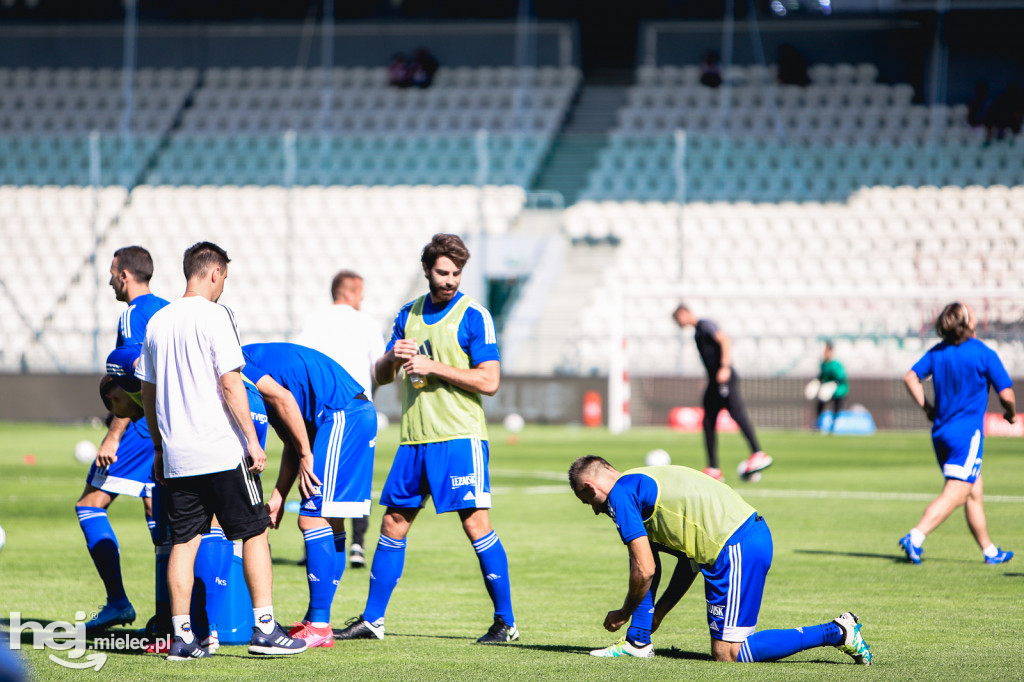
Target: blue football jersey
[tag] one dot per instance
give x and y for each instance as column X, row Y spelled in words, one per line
column 630, row 501
column 131, row 329
column 317, row 382
column 961, row 376
column 257, row 410
column 476, row 330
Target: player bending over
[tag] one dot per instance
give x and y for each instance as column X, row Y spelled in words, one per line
column 711, row 530
column 317, row 396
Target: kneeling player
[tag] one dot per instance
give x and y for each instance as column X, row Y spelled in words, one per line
column 709, row 529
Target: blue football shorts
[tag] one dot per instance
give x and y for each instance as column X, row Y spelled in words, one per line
column 343, row 461
column 959, row 455
column 132, row 473
column 734, row 584
column 453, row 472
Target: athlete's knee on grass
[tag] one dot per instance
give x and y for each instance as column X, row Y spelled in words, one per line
column 725, row 652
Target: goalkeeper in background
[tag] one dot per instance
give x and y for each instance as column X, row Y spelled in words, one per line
column 833, row 376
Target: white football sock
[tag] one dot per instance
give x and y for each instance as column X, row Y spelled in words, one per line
column 264, row 617
column 183, row 628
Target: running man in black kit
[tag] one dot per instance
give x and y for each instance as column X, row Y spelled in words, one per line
column 723, row 391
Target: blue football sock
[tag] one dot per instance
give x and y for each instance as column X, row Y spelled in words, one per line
column 771, row 645
column 151, row 524
column 385, row 572
column 320, row 568
column 102, row 544
column 640, row 626
column 494, row 566
column 339, row 556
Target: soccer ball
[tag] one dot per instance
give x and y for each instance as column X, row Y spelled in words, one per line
column 382, row 421
column 3, row 537
column 85, row 451
column 514, row 423
column 657, row 458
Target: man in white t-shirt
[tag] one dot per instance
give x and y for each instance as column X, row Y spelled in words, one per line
column 206, row 451
column 351, row 338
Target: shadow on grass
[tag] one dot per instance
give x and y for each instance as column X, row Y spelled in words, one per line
column 816, row 661
column 1013, row 575
column 860, row 555
column 673, row 652
column 279, row 561
column 555, row 648
column 337, row 631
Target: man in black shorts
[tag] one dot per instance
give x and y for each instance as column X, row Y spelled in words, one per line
column 206, row 450
column 723, row 391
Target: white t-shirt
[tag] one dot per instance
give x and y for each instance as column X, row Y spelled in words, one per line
column 349, row 337
column 189, row 345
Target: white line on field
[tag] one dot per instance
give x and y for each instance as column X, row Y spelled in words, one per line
column 746, row 491
column 863, row 495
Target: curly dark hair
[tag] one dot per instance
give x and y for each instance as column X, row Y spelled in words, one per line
column 448, row 245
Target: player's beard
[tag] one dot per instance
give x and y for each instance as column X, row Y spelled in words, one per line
column 440, row 294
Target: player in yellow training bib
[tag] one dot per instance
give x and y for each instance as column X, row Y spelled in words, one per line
column 446, row 346
column 711, row 530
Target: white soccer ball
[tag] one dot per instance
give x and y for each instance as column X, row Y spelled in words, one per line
column 85, row 451
column 514, row 423
column 3, row 537
column 657, row 458
column 382, row 421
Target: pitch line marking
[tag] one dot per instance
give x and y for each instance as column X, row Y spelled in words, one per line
column 745, row 491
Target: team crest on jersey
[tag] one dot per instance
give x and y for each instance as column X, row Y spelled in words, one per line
column 460, row 481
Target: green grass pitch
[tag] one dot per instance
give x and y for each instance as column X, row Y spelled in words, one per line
column 836, row 507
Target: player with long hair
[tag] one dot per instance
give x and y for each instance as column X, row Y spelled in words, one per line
column 961, row 368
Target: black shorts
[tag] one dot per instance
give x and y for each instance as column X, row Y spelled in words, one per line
column 234, row 496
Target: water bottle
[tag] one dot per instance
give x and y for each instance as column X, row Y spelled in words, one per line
column 417, row 380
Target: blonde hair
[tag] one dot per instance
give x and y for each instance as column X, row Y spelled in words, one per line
column 954, row 323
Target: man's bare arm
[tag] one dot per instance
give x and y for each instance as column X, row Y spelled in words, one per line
column 1009, row 403
column 484, row 378
column 237, row 401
